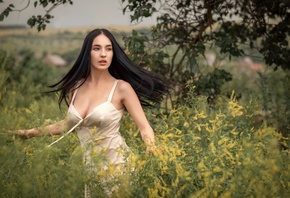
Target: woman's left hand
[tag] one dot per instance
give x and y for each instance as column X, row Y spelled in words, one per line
column 151, row 149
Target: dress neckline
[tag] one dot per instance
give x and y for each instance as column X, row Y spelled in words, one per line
column 94, row 109
column 97, row 106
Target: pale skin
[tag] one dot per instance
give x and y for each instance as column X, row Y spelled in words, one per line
column 95, row 91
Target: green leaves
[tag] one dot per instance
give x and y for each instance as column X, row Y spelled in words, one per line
column 41, row 21
column 229, row 25
column 275, row 46
column 38, row 21
column 140, row 9
column 6, row 11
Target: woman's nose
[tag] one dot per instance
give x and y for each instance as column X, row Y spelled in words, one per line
column 103, row 53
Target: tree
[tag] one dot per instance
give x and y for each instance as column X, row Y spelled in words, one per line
column 38, row 21
column 228, row 24
column 188, row 27
column 190, row 24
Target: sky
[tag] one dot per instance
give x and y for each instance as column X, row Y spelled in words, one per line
column 83, row 13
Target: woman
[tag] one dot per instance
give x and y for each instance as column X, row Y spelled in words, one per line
column 102, row 83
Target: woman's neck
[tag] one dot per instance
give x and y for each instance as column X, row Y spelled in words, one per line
column 99, row 76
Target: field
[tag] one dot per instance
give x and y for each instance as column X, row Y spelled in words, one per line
column 51, row 40
column 236, row 147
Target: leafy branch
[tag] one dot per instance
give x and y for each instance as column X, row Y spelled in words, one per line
column 39, row 21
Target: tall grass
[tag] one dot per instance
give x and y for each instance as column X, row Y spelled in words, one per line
column 202, row 151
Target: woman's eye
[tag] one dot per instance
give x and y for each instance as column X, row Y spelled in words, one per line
column 96, row 48
column 109, row 49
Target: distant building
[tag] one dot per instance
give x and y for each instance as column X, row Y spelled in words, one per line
column 248, row 63
column 210, row 59
column 55, row 60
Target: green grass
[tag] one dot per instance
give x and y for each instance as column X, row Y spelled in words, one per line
column 228, row 149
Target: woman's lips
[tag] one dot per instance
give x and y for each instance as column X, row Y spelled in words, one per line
column 102, row 62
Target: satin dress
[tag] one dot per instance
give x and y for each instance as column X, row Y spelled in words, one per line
column 99, row 132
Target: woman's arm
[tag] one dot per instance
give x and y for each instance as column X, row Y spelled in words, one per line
column 52, row 129
column 132, row 104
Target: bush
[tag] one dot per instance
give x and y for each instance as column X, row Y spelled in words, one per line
column 213, row 152
column 202, row 151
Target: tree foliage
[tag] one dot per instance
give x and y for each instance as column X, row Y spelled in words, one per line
column 190, row 24
column 186, row 29
column 228, row 24
column 203, row 150
column 39, row 21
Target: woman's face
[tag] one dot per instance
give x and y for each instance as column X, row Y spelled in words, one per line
column 101, row 53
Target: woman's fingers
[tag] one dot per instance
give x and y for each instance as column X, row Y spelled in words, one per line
column 20, row 133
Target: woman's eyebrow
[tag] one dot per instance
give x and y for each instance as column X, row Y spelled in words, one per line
column 97, row 45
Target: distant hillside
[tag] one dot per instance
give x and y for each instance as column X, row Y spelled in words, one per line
column 6, row 30
column 9, row 27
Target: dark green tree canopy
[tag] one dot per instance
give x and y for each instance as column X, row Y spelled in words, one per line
column 185, row 29
column 261, row 24
column 228, row 24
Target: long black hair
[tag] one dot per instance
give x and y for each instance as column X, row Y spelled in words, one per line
column 149, row 86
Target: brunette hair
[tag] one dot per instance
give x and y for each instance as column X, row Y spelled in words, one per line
column 149, row 86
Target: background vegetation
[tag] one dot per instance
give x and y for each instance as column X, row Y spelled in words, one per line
column 223, row 131
column 228, row 148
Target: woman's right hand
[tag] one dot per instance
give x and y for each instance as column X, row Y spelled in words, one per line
column 52, row 129
column 23, row 134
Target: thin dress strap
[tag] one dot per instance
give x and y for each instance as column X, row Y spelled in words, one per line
column 112, row 91
column 75, row 93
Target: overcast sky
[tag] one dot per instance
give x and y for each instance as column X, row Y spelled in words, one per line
column 81, row 14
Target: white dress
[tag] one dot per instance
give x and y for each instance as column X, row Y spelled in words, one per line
column 99, row 132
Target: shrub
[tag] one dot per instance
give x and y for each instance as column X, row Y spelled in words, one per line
column 202, row 151
column 212, row 152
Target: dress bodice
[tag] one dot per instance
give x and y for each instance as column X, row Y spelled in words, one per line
column 99, row 130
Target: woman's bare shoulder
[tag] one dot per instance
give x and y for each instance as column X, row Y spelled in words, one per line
column 124, row 87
